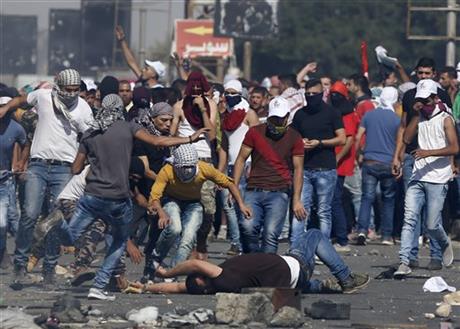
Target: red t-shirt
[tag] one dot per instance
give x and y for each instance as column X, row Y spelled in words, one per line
column 346, row 165
column 363, row 107
column 271, row 166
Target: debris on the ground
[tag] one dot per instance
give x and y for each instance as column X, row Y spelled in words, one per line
column 279, row 296
column 67, row 308
column 181, row 310
column 374, row 252
column 429, row 316
column 17, row 319
column 443, row 311
column 326, row 309
column 452, row 298
column 146, row 315
column 437, row 284
column 287, row 317
column 387, row 274
column 243, row 308
column 198, row 316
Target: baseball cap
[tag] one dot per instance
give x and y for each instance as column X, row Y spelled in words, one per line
column 425, row 88
column 278, row 107
column 234, row 84
column 4, row 100
column 158, row 66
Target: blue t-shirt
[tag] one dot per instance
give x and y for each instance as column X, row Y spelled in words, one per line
column 381, row 132
column 10, row 134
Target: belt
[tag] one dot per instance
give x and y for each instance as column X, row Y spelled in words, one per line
column 52, row 162
column 209, row 160
column 257, row 189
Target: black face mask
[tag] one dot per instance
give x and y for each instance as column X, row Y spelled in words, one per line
column 341, row 103
column 232, row 100
column 314, row 102
column 275, row 132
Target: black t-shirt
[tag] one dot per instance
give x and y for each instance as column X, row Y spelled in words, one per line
column 321, row 125
column 408, row 107
column 156, row 157
column 252, row 270
column 109, row 155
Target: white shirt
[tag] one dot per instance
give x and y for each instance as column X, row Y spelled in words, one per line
column 432, row 136
column 75, row 187
column 56, row 137
column 202, row 147
column 294, row 267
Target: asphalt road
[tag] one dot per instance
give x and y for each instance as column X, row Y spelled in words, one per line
column 383, row 304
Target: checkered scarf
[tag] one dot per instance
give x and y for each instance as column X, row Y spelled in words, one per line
column 63, row 100
column 112, row 110
column 184, row 155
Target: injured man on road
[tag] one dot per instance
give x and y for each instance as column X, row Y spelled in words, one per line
column 292, row 270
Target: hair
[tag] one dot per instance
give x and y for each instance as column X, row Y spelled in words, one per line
column 83, row 86
column 194, row 289
column 426, row 62
column 218, row 87
column 361, row 81
column 450, row 70
column 179, row 84
column 173, row 95
column 289, row 80
column 124, row 82
column 158, row 95
column 312, row 83
column 91, row 92
column 260, row 90
column 245, row 83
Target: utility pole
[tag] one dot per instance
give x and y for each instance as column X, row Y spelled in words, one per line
column 451, row 34
column 142, row 25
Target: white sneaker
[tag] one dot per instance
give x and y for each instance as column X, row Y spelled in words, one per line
column 339, row 248
column 95, row 293
column 448, row 255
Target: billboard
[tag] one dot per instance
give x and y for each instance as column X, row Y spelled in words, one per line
column 195, row 38
column 246, row 19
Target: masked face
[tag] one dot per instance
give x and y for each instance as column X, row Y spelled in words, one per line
column 69, row 95
column 276, row 127
column 185, row 173
column 232, row 100
column 341, row 103
column 314, row 101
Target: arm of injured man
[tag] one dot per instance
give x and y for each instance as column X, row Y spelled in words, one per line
column 156, row 288
column 193, row 266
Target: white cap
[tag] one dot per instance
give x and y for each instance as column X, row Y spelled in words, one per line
column 235, row 85
column 388, row 97
column 425, row 88
column 158, row 66
column 4, row 100
column 278, row 107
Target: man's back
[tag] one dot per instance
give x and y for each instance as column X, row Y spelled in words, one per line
column 381, row 130
column 109, row 154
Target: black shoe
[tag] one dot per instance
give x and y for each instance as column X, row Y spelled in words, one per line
column 413, row 264
column 49, row 281
column 361, row 241
column 234, row 250
column 354, row 282
column 434, row 265
column 82, row 275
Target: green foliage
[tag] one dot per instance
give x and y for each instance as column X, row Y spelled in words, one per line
column 330, row 32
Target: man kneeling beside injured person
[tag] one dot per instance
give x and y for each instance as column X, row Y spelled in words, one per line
column 292, row 270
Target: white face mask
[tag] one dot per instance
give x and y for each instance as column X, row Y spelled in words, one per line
column 186, row 174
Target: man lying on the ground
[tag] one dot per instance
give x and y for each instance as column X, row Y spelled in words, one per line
column 292, row 270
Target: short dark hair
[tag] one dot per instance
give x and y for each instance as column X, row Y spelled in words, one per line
column 83, row 86
column 124, row 82
column 260, row 90
column 361, row 81
column 450, row 70
column 312, row 83
column 173, row 95
column 194, row 289
column 426, row 62
column 158, row 95
column 289, row 80
column 218, row 87
column 179, row 84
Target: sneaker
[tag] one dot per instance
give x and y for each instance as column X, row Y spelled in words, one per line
column 342, row 249
column 234, row 250
column 354, row 282
column 372, row 235
column 448, row 254
column 95, row 293
column 222, row 235
column 402, row 271
column 31, row 263
column 434, row 265
column 388, row 242
column 81, row 275
column 330, row 286
column 361, row 241
column 414, row 264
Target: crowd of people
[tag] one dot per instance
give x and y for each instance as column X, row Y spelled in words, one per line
column 318, row 161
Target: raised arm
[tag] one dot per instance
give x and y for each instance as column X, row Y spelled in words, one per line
column 164, row 141
column 12, row 104
column 127, row 53
column 309, row 68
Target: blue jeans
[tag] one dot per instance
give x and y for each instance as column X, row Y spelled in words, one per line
column 339, row 219
column 313, row 242
column 372, row 173
column 321, row 185
column 116, row 213
column 40, row 177
column 230, row 213
column 13, row 215
column 435, row 248
column 418, row 195
column 269, row 212
column 185, row 220
column 6, row 187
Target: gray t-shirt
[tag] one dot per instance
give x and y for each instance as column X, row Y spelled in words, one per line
column 109, row 155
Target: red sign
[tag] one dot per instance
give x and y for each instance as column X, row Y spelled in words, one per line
column 195, row 38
